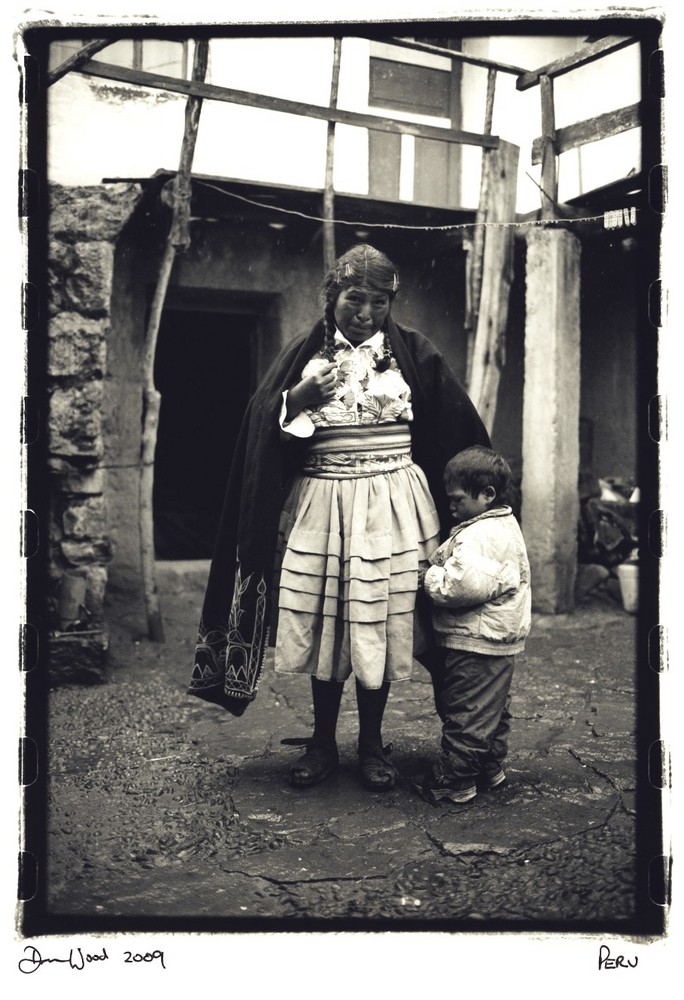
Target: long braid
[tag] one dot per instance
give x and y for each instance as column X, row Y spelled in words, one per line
column 329, row 335
column 385, row 362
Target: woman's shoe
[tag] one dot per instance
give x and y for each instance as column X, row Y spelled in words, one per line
column 378, row 774
column 316, row 763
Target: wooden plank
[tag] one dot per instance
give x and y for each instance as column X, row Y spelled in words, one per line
column 329, row 251
column 453, row 54
column 587, row 54
column 591, row 130
column 211, row 92
column 497, row 275
column 549, row 173
column 489, row 102
column 476, row 255
column 454, row 150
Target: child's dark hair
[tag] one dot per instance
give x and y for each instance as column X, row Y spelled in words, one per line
column 476, row 468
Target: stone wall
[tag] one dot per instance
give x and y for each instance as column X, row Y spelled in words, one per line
column 83, row 227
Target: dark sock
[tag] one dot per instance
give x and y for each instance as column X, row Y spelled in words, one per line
column 327, row 696
column 371, row 705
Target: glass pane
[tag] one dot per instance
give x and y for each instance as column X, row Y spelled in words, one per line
column 59, row 51
column 411, row 88
column 164, row 57
column 118, row 54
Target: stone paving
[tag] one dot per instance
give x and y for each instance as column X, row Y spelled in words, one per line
column 162, row 807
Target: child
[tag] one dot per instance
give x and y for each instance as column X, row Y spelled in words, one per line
column 478, row 583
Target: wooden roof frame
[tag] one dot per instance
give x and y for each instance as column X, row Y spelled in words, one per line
column 553, row 140
column 228, row 95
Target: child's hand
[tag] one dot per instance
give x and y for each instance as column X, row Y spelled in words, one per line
column 421, row 577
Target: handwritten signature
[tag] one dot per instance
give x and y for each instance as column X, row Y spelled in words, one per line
column 619, row 962
column 77, row 959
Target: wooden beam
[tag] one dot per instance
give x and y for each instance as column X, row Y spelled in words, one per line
column 476, row 255
column 489, row 349
column 549, row 173
column 77, row 59
column 178, row 238
column 182, row 193
column 453, row 54
column 329, row 251
column 211, row 92
column 587, row 54
column 454, row 152
column 148, row 444
column 591, row 130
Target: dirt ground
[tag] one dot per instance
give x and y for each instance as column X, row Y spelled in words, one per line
column 164, row 810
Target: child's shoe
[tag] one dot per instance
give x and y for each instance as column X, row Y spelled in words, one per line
column 492, row 778
column 437, row 786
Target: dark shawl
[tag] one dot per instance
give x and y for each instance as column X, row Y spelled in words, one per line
column 234, row 633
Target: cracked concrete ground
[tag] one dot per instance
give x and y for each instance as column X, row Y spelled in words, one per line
column 160, row 806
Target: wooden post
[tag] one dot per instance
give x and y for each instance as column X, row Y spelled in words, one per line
column 329, row 249
column 177, row 239
column 551, row 408
column 549, row 176
column 497, row 274
column 476, row 252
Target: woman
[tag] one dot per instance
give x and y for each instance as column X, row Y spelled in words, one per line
column 329, row 515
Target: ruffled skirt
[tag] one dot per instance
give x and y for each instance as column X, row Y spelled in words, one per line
column 356, row 527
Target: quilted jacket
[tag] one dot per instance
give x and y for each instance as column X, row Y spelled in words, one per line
column 479, row 586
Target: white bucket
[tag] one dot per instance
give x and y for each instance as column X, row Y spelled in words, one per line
column 628, row 576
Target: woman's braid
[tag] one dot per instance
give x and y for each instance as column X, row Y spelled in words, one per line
column 329, row 336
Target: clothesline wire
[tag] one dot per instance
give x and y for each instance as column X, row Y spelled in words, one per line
column 395, row 225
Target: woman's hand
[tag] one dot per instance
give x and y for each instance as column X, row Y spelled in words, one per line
column 312, row 391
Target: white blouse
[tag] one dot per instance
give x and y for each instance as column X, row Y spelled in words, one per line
column 362, row 394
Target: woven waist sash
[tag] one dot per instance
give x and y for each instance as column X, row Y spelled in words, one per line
column 368, row 450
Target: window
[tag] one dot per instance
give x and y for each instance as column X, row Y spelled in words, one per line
column 419, row 86
column 154, row 55
column 404, row 87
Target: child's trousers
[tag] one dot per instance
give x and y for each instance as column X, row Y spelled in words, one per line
column 473, row 702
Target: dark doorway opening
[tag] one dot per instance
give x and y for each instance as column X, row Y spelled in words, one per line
column 203, row 370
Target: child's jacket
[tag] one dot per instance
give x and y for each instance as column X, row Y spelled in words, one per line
column 479, row 586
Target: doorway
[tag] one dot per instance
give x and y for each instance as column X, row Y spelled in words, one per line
column 204, row 370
